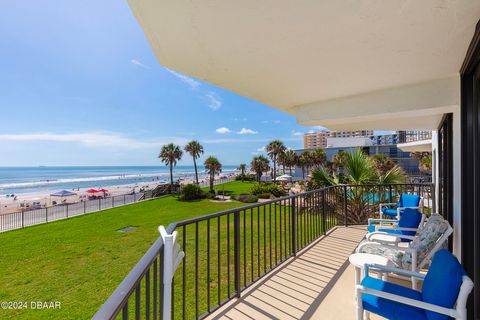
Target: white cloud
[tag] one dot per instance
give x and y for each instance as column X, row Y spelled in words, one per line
column 271, row 121
column 297, row 133
column 311, row 131
column 262, row 149
column 247, row 131
column 192, row 83
column 139, row 64
column 214, row 100
column 240, row 119
column 95, row 139
column 223, row 130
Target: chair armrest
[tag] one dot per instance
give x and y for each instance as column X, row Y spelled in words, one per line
column 411, row 302
column 398, row 236
column 395, row 228
column 401, row 208
column 376, row 267
column 387, row 204
column 382, row 220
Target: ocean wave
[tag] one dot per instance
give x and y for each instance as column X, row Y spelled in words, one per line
column 52, row 182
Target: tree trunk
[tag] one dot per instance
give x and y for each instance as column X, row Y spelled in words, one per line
column 171, row 177
column 274, row 169
column 303, row 173
column 196, row 172
column 212, row 178
column 290, row 171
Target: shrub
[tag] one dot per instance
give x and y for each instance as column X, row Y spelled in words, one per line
column 269, row 188
column 246, row 177
column 192, row 192
column 264, row 196
column 246, row 198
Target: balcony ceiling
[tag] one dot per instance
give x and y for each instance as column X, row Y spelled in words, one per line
column 292, row 54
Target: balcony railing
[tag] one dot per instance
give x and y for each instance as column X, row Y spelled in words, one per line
column 226, row 252
column 417, row 136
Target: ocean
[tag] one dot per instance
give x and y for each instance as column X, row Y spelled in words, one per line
column 20, row 180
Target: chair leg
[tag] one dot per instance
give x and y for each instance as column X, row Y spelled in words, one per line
column 358, row 298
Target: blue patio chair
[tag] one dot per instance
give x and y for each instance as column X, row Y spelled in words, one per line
column 408, row 224
column 411, row 201
column 444, row 294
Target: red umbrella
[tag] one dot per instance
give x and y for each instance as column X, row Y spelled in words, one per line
column 92, row 191
column 103, row 190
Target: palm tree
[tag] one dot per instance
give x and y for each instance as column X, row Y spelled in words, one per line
column 425, row 163
column 274, row 150
column 213, row 167
column 170, row 154
column 359, row 170
column 242, row 167
column 382, row 163
column 259, row 165
column 305, row 161
column 195, row 149
column 318, row 157
column 289, row 159
column 339, row 161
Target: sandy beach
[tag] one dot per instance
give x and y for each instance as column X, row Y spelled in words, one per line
column 25, row 201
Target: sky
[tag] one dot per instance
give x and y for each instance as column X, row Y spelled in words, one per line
column 80, row 85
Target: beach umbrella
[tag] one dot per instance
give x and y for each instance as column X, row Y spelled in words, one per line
column 285, row 177
column 92, row 191
column 103, row 190
column 63, row 193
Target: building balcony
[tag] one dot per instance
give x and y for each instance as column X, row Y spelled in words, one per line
column 282, row 259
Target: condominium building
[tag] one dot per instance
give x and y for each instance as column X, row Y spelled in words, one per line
column 319, row 139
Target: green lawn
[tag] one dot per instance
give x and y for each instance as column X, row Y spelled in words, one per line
column 80, row 261
column 235, row 187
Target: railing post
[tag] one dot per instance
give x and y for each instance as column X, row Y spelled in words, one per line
column 324, row 221
column 85, row 207
column 345, row 204
column 66, row 213
column 23, row 219
column 236, row 251
column 46, row 214
column 294, row 227
column 99, row 204
column 172, row 256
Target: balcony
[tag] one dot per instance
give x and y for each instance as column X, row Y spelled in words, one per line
column 282, row 259
column 317, row 283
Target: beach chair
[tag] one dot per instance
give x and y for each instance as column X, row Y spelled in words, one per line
column 411, row 221
column 418, row 253
column 444, row 293
column 395, row 210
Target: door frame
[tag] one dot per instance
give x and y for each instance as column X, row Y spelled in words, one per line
column 470, row 169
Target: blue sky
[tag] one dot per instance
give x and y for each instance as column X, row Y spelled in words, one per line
column 80, row 85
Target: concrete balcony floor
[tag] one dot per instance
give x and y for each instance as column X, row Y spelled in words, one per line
column 317, row 284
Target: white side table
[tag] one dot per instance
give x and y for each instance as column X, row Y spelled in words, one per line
column 359, row 260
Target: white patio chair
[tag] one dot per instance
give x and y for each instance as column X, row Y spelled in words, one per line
column 420, row 251
column 444, row 293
